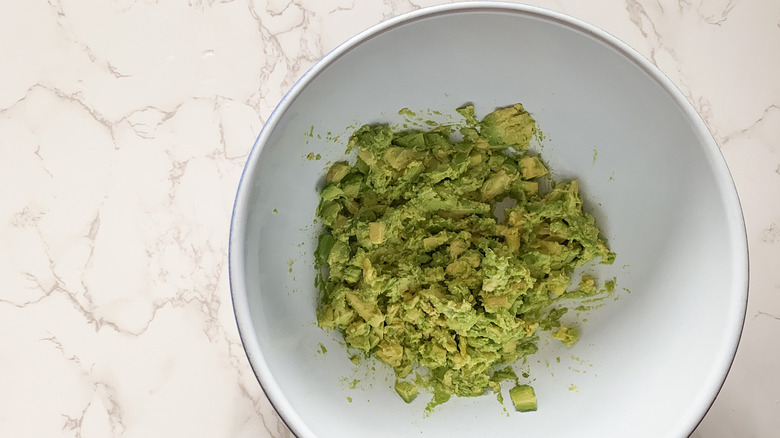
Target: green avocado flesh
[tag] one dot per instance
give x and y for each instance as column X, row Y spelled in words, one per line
column 417, row 268
column 523, row 397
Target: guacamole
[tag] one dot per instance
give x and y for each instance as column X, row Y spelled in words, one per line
column 419, row 270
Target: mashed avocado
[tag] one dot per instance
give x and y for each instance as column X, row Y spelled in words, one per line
column 419, row 271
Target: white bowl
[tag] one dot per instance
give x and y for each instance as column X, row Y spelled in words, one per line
column 648, row 364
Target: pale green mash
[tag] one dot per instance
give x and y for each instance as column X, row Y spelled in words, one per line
column 418, row 270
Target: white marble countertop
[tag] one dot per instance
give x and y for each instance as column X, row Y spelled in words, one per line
column 124, row 126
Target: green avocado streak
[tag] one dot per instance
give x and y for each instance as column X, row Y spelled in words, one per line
column 419, row 271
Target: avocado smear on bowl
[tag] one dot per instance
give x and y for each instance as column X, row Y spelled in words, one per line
column 418, row 270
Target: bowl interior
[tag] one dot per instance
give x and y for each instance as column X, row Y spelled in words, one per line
column 647, row 364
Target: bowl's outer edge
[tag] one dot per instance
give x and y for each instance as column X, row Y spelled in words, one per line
column 238, row 224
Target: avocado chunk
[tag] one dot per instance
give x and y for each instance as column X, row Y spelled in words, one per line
column 407, row 390
column 532, row 167
column 567, row 335
column 523, row 397
column 337, row 172
column 511, row 126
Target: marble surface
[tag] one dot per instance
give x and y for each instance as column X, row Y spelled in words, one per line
column 124, row 126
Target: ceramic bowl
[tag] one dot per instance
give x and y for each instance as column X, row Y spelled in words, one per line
column 648, row 364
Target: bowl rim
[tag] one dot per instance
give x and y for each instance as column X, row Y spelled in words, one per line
column 711, row 150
